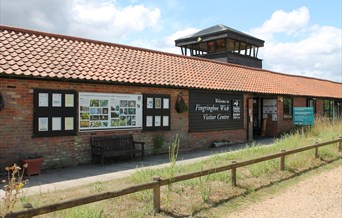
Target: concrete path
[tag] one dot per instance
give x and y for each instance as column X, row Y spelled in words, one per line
column 59, row 179
column 320, row 195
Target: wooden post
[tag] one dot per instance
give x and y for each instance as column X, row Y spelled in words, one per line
column 282, row 161
column 316, row 151
column 156, row 194
column 234, row 174
column 340, row 146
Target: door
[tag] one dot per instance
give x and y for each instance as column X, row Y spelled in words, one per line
column 256, row 116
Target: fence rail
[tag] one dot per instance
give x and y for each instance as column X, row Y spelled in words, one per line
column 158, row 182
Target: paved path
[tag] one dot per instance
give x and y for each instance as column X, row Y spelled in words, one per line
column 59, row 179
column 317, row 196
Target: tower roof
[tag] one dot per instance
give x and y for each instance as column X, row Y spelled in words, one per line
column 217, row 32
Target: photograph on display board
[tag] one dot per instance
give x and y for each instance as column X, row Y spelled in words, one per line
column 157, row 102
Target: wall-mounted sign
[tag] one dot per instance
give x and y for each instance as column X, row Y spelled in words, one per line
column 303, row 116
column 156, row 112
column 55, row 113
column 109, row 110
column 215, row 111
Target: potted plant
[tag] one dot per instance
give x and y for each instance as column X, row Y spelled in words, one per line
column 34, row 163
column 180, row 105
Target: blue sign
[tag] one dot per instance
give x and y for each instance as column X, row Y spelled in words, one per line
column 303, row 116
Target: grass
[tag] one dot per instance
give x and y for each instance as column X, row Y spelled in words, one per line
column 201, row 197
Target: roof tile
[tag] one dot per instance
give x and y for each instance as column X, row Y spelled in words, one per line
column 36, row 54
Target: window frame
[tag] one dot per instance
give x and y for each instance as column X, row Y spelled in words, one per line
column 314, row 102
column 289, row 115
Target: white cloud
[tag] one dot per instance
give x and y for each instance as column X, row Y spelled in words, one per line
column 282, row 22
column 170, row 40
column 107, row 22
column 316, row 54
column 166, row 44
column 48, row 16
column 101, row 19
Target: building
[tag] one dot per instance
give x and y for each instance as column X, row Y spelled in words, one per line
column 57, row 91
column 222, row 43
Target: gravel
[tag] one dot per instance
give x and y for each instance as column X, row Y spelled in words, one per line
column 316, row 196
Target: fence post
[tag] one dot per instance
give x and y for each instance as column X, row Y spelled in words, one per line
column 340, row 146
column 156, row 194
column 316, row 151
column 234, row 174
column 282, row 161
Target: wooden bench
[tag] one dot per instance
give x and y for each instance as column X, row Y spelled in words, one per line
column 112, row 146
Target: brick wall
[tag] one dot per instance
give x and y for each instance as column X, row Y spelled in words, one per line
column 319, row 107
column 16, row 125
column 285, row 125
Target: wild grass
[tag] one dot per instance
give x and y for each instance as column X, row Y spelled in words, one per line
column 192, row 197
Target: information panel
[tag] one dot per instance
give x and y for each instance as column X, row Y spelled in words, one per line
column 109, row 110
column 303, row 116
column 215, row 111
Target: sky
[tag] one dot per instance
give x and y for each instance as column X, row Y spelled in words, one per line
column 302, row 37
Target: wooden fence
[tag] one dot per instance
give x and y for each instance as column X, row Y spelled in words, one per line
column 158, row 182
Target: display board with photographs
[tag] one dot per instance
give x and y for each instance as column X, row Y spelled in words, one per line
column 109, row 110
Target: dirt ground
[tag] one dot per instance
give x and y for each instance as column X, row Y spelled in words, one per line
column 317, row 196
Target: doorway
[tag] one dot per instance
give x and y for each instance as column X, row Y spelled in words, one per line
column 257, row 119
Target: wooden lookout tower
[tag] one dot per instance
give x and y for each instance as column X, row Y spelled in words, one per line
column 224, row 44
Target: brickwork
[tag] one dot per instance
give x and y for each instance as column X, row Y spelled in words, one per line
column 319, row 107
column 16, row 124
column 285, row 125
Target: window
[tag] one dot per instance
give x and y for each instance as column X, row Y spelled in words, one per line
column 211, row 47
column 156, row 112
column 287, row 110
column 329, row 109
column 311, row 103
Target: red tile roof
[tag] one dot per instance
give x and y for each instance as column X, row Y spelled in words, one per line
column 26, row 53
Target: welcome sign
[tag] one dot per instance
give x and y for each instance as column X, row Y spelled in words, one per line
column 215, row 111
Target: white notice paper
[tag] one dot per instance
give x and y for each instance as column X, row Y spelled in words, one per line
column 165, row 120
column 56, row 100
column 56, row 123
column 149, row 121
column 43, row 124
column 43, row 100
column 149, row 103
column 69, row 100
column 157, row 120
column 165, row 103
column 68, row 123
